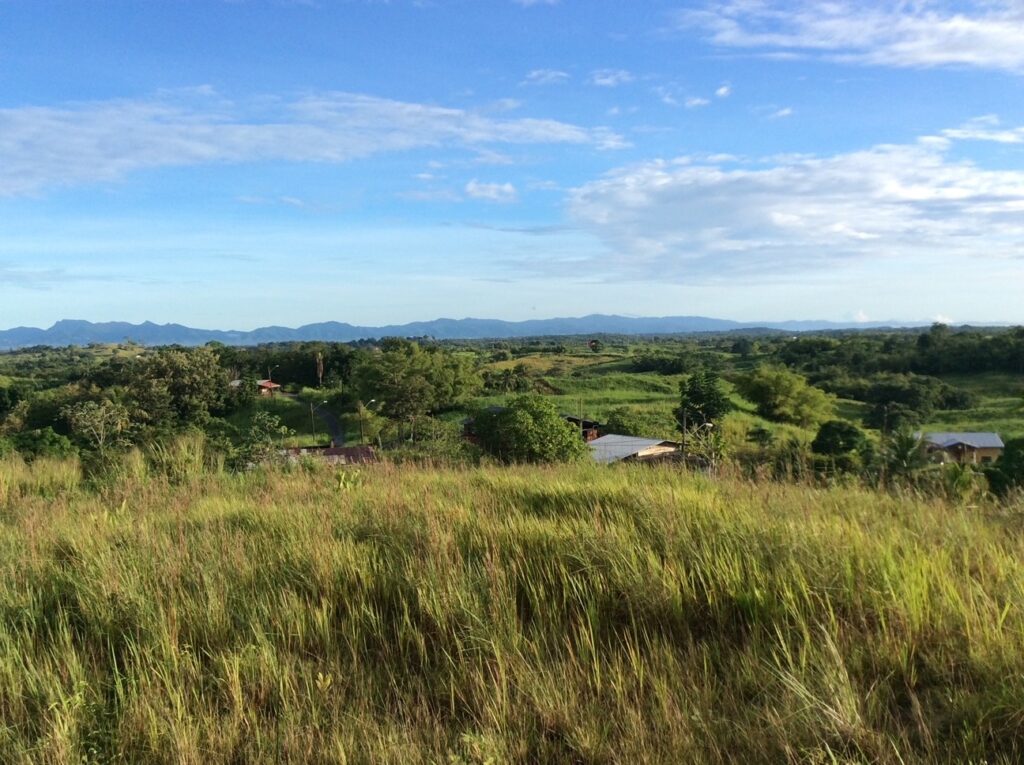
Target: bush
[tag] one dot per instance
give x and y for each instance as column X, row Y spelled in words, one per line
column 785, row 396
column 43, row 442
column 1007, row 473
column 529, row 429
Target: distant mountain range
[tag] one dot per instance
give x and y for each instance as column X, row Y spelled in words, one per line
column 76, row 332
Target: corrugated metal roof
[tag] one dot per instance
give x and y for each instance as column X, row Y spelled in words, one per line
column 974, row 440
column 612, row 448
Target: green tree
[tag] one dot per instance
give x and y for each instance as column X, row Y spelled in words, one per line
column 625, row 422
column 262, row 441
column 101, row 424
column 242, row 395
column 1007, row 473
column 843, row 444
column 409, row 381
column 9, row 398
column 786, row 396
column 43, row 442
column 529, row 429
column 701, row 400
column 837, row 437
column 904, row 455
column 178, row 387
column 892, row 416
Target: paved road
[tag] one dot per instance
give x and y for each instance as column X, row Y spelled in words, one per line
column 332, row 424
column 326, row 416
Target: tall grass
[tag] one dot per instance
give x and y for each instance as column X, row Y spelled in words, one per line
column 505, row 615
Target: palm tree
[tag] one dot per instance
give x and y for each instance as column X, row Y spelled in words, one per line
column 904, row 455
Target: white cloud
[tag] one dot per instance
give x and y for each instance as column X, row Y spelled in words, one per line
column 546, row 77
column 695, row 219
column 986, row 128
column 491, row 192
column 506, row 104
column 37, row 278
column 920, row 33
column 491, row 157
column 528, row 3
column 104, row 141
column 780, row 113
column 694, row 102
column 666, row 95
column 724, row 91
column 610, row 78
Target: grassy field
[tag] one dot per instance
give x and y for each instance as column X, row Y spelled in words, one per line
column 999, row 408
column 404, row 614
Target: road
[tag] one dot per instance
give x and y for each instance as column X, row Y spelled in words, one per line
column 327, row 417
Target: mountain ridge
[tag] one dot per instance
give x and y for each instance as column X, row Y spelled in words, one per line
column 81, row 332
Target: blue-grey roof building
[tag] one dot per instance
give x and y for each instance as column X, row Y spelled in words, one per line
column 969, row 448
column 615, row 448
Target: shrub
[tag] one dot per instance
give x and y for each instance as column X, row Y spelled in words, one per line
column 529, row 429
column 43, row 442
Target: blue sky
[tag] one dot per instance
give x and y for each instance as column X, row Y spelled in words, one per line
column 238, row 163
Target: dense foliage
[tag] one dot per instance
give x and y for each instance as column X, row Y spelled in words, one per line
column 785, row 396
column 409, row 380
column 528, row 429
column 701, row 400
column 755, row 399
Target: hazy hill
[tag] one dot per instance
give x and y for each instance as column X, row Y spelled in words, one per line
column 77, row 332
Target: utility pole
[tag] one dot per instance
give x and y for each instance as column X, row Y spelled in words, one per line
column 362, row 414
column 312, row 421
column 684, row 435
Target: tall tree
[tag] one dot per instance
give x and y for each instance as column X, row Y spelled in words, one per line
column 701, row 400
column 101, row 424
column 529, row 429
column 786, row 396
column 177, row 386
column 409, row 381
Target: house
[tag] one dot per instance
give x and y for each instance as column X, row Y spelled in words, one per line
column 965, row 448
column 588, row 429
column 615, row 448
column 267, row 387
column 263, row 387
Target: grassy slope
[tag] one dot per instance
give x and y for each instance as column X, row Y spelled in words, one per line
column 1000, row 406
column 602, row 382
column 521, row 615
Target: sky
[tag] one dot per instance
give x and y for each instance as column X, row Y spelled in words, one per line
column 232, row 164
